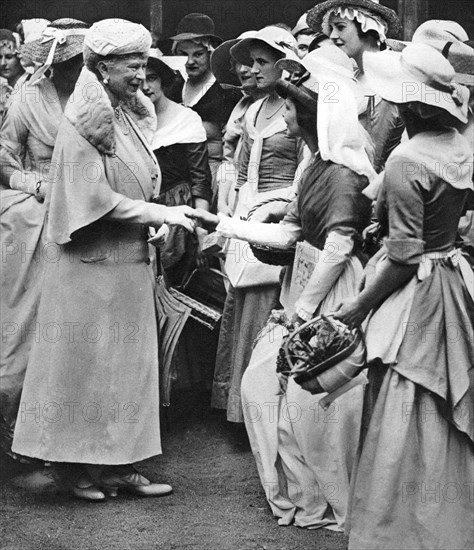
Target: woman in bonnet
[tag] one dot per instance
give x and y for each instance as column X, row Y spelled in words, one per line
column 94, row 372
column 270, row 165
column 358, row 26
column 305, row 463
column 413, row 481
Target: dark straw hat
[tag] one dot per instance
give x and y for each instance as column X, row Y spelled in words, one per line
column 196, row 25
column 300, row 94
column 316, row 14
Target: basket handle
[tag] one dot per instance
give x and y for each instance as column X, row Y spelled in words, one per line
column 257, row 206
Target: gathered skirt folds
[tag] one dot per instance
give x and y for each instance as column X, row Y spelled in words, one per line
column 91, row 389
column 304, row 454
column 246, row 312
column 413, row 486
column 23, row 257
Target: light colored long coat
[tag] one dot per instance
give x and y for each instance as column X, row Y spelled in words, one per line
column 91, row 388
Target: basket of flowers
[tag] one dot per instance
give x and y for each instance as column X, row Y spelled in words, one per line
column 324, row 352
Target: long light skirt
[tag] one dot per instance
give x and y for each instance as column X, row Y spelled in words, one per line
column 304, row 454
column 414, row 483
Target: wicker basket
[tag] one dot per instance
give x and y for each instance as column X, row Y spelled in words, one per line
column 267, row 254
column 326, row 366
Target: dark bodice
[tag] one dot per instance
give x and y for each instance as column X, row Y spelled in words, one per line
column 329, row 199
column 185, row 163
column 216, row 104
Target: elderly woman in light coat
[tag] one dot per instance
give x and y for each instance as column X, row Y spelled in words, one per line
column 92, row 379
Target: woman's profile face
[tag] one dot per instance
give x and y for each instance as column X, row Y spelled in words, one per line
column 125, row 75
column 343, row 33
column 246, row 77
column 151, row 86
column 10, row 66
column 290, row 118
column 263, row 67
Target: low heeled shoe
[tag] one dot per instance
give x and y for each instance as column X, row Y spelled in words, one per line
column 133, row 483
column 86, row 490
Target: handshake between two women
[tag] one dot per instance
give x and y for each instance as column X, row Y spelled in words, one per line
column 192, row 219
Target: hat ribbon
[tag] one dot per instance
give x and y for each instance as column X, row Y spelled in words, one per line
column 451, row 89
column 284, row 44
column 446, row 48
column 58, row 36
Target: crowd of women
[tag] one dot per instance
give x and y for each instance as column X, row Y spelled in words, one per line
column 335, row 137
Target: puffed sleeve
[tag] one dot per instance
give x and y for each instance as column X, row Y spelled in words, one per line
column 405, row 206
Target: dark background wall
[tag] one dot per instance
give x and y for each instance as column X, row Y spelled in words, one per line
column 231, row 16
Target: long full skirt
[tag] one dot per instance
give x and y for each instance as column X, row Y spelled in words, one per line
column 413, row 484
column 246, row 312
column 304, row 454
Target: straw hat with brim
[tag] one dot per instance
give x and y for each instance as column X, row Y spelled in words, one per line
column 330, row 61
column 437, row 29
column 70, row 41
column 164, row 71
column 196, row 25
column 277, row 38
column 396, row 45
column 221, row 61
column 461, row 57
column 300, row 94
column 316, row 14
column 419, row 73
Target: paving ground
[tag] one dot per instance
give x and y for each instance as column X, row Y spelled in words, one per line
column 217, row 502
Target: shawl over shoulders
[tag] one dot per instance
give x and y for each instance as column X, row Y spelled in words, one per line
column 87, row 171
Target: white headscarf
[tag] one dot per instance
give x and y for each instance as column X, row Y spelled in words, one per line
column 341, row 137
column 368, row 20
column 117, row 37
